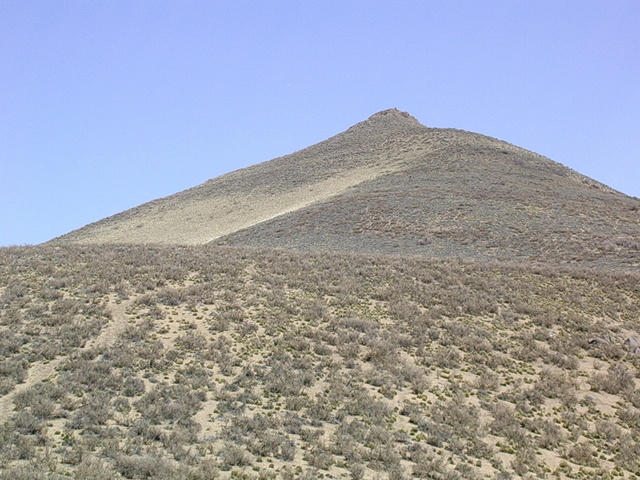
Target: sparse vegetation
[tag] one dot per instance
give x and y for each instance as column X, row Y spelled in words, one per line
column 212, row 362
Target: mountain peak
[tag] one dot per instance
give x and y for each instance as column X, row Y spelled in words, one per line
column 392, row 113
column 390, row 119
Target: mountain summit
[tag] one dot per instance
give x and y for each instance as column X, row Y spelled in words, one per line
column 391, row 185
column 389, row 117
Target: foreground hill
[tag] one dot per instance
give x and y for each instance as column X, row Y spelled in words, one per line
column 210, row 362
column 391, row 185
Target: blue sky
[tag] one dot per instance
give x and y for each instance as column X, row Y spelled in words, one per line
column 107, row 104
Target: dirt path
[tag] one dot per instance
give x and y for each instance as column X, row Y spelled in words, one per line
column 119, row 320
column 48, row 369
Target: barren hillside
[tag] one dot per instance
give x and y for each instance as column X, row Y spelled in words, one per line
column 391, row 185
column 252, row 195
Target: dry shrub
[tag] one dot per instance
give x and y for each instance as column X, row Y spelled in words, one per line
column 583, row 454
column 617, row 379
column 141, row 466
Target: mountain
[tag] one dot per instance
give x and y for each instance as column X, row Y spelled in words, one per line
column 391, row 185
column 395, row 302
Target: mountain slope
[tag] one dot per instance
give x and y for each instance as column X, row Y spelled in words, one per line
column 391, row 185
column 473, row 197
column 248, row 196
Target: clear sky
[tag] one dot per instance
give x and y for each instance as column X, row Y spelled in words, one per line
column 106, row 104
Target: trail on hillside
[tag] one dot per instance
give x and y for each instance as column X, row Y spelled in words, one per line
column 40, row 371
